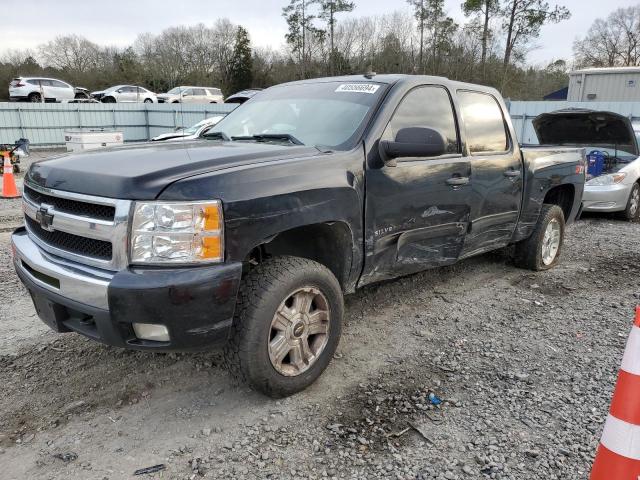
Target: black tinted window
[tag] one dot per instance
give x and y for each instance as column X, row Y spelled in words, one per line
column 426, row 107
column 483, row 122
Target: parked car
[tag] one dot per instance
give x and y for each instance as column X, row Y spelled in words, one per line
column 192, row 95
column 125, row 93
column 242, row 96
column 250, row 236
column 610, row 140
column 33, row 89
column 190, row 133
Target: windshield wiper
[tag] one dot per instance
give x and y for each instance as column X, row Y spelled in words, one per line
column 217, row 136
column 267, row 137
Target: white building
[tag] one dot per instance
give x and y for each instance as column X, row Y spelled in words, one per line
column 618, row 84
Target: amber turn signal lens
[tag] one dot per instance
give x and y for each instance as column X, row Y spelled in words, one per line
column 211, row 248
column 211, row 218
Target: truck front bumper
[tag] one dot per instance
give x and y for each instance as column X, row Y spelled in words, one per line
column 196, row 304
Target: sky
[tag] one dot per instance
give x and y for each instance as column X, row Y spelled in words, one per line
column 118, row 22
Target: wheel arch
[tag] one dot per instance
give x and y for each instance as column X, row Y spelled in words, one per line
column 328, row 243
column 562, row 196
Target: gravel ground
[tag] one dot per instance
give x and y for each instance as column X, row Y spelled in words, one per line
column 10, row 214
column 524, row 363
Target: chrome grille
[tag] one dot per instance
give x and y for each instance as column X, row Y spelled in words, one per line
column 91, row 210
column 70, row 242
column 83, row 228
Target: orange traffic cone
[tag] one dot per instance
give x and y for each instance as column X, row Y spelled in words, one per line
column 618, row 456
column 9, row 188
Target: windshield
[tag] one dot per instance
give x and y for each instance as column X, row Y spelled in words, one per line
column 192, row 130
column 329, row 114
column 175, row 91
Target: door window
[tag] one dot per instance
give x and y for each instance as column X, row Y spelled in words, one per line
column 484, row 123
column 429, row 107
column 199, row 91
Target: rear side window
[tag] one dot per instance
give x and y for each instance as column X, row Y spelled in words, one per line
column 199, row 91
column 59, row 84
column 214, row 91
column 428, row 106
column 483, row 122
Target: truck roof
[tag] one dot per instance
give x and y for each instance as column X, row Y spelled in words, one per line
column 399, row 78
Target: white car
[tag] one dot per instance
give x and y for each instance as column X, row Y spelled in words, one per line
column 611, row 145
column 34, row 89
column 125, row 93
column 190, row 133
column 187, row 94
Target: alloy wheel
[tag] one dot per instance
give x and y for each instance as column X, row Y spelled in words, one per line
column 299, row 331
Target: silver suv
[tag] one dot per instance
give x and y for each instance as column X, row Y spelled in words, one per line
column 187, row 94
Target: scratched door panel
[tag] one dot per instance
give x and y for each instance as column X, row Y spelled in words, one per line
column 415, row 220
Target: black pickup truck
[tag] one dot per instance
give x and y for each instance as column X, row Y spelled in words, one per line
column 250, row 236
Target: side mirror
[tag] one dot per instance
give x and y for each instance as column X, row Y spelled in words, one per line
column 414, row 142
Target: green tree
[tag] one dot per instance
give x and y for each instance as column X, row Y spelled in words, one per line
column 300, row 22
column 420, row 12
column 487, row 9
column 328, row 11
column 523, row 20
column 241, row 74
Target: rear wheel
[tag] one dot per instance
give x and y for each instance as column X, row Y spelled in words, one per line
column 287, row 325
column 35, row 97
column 633, row 204
column 541, row 251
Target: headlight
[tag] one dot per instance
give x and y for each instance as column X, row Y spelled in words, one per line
column 610, row 179
column 177, row 232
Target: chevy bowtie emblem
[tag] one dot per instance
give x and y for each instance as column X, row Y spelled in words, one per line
column 44, row 216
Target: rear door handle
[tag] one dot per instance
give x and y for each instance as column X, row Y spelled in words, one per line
column 458, row 181
column 512, row 173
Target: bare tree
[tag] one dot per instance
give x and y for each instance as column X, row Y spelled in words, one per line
column 71, row 52
column 614, row 41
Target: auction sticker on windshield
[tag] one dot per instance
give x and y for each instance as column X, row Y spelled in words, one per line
column 358, row 88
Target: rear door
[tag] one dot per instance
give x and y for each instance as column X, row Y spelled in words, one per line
column 417, row 211
column 187, row 96
column 496, row 170
column 200, row 95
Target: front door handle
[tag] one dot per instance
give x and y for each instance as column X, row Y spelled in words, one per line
column 458, row 181
column 512, row 173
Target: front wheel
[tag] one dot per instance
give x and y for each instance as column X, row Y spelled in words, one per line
column 148, row 100
column 541, row 251
column 633, row 204
column 286, row 327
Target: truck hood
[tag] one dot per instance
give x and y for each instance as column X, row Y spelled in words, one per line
column 586, row 128
column 141, row 172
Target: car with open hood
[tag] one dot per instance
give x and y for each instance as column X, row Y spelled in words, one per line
column 191, row 133
column 610, row 140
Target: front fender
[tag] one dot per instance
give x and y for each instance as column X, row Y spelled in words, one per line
column 263, row 200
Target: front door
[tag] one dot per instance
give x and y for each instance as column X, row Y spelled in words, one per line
column 417, row 212
column 496, row 170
